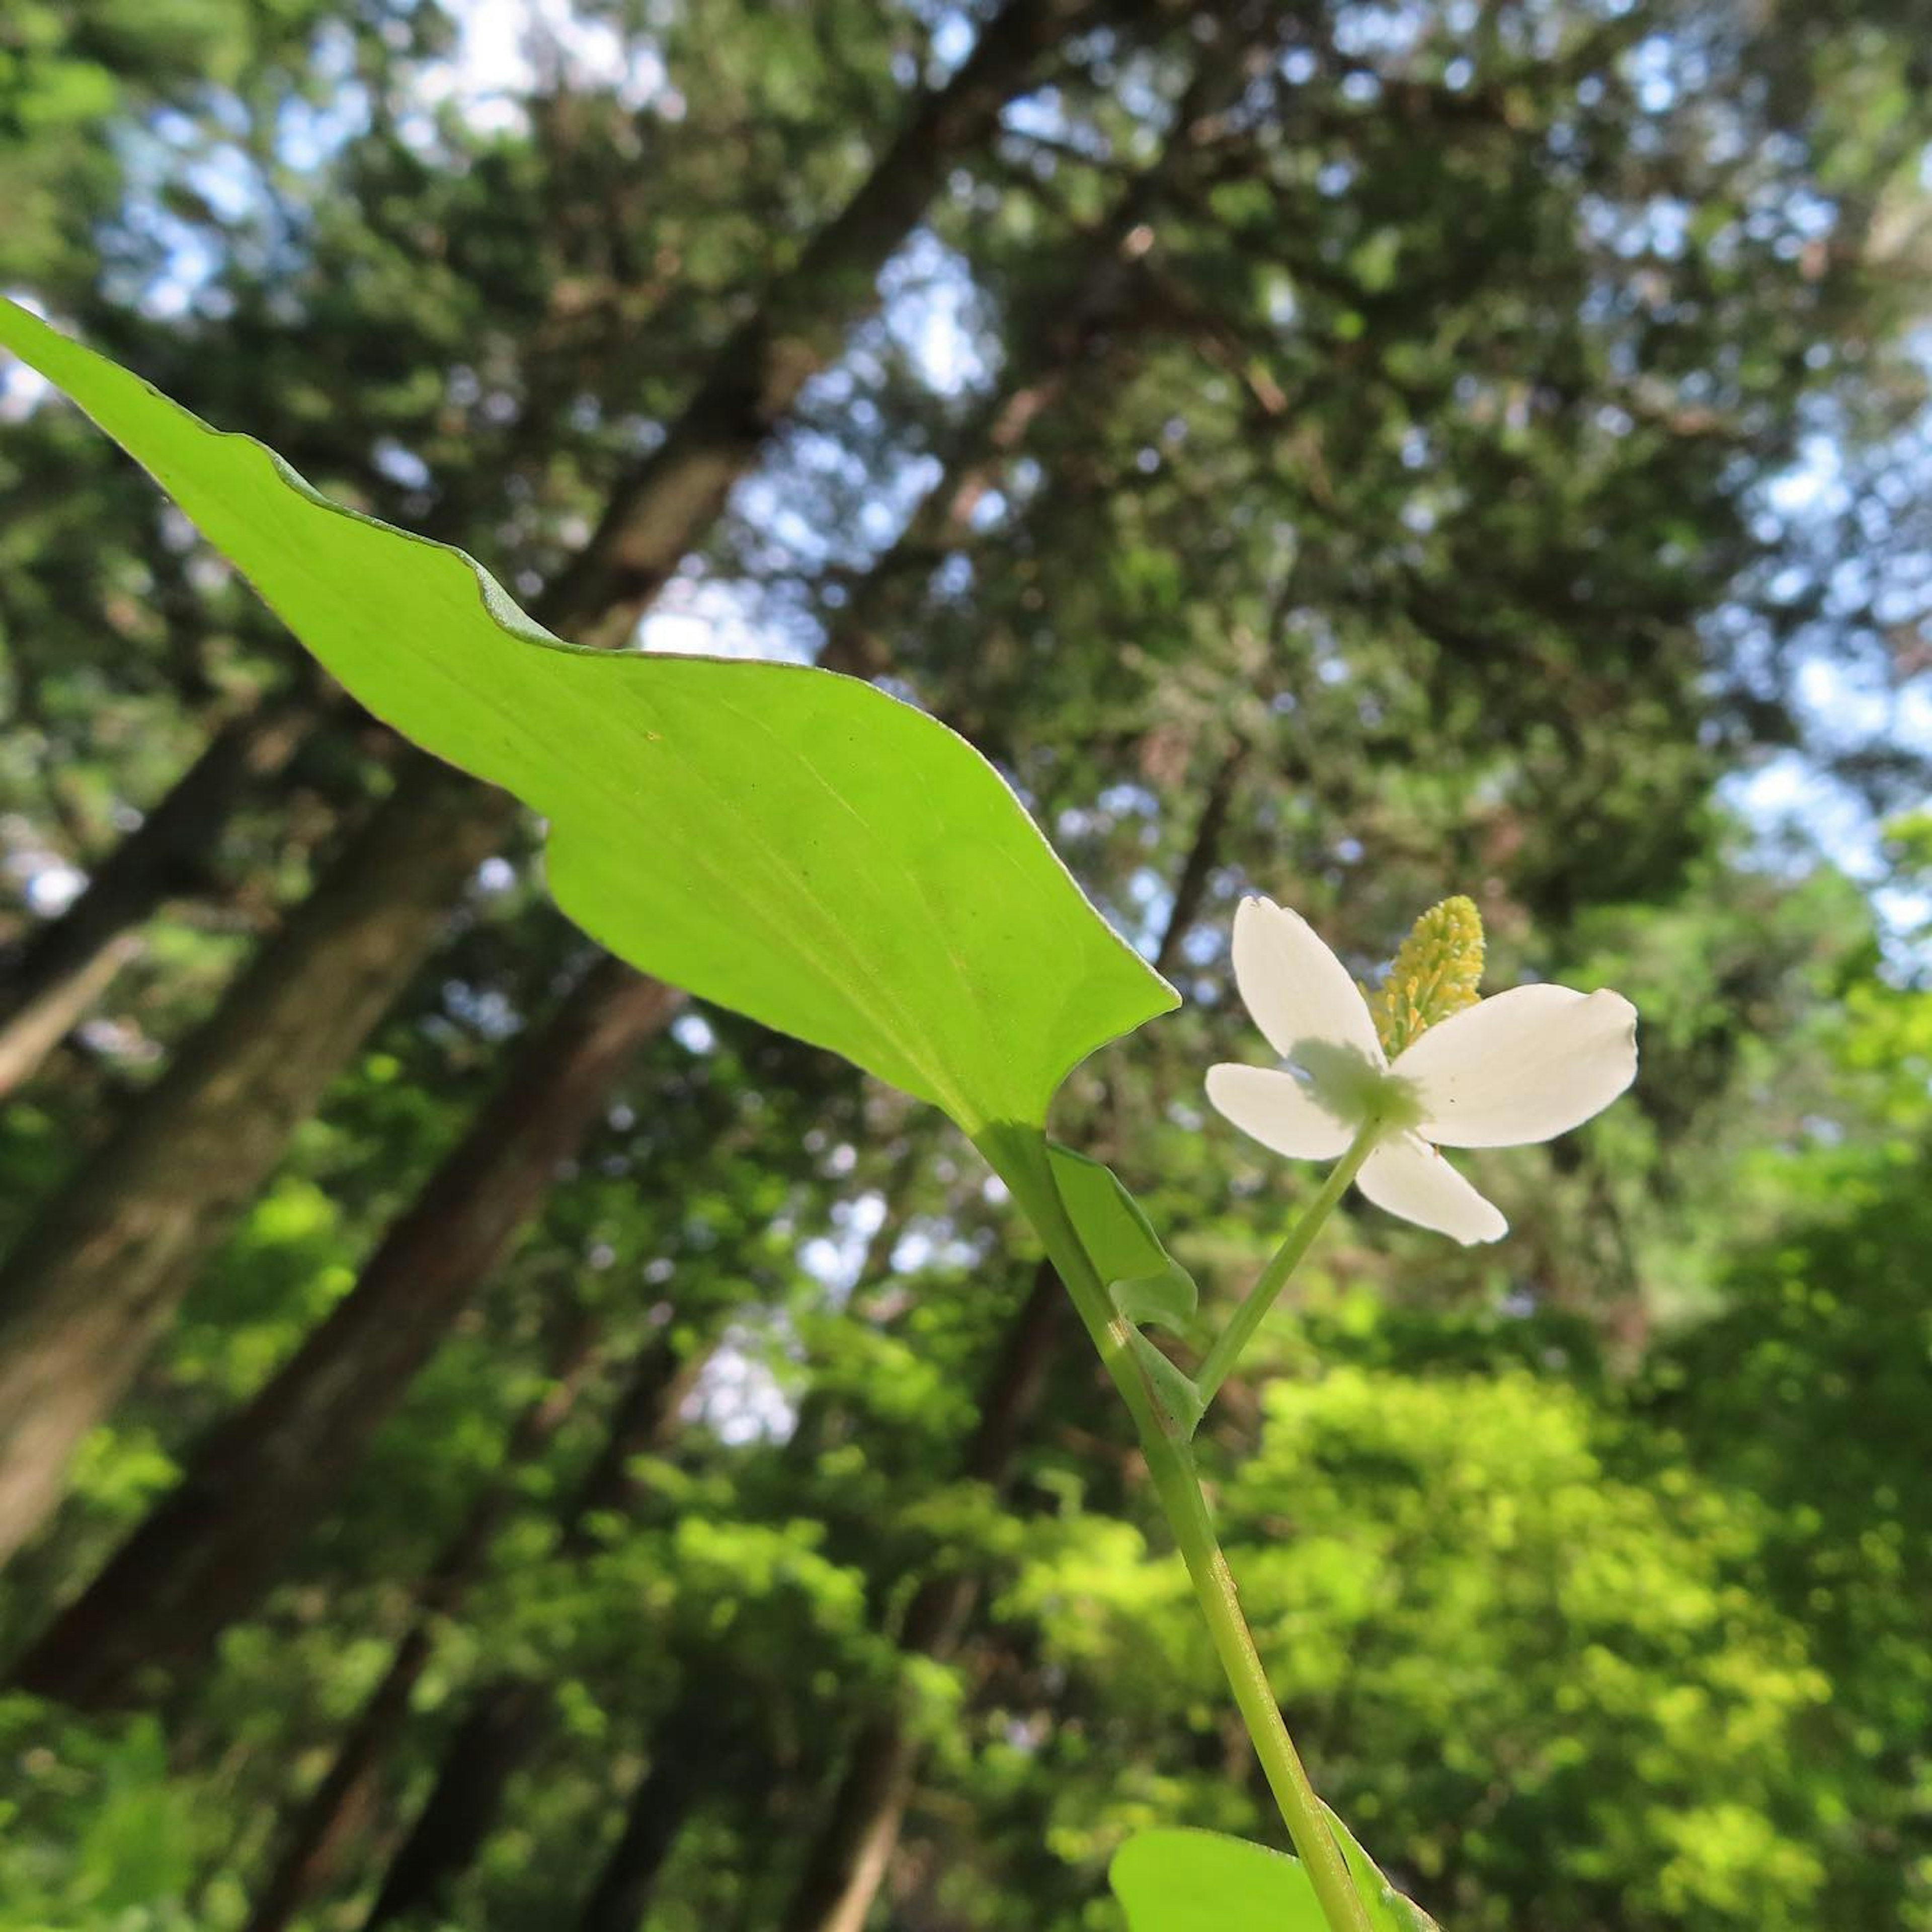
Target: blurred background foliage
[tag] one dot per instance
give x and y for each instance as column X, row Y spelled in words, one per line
column 1351, row 451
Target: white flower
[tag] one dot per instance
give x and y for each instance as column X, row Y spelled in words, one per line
column 1522, row 1066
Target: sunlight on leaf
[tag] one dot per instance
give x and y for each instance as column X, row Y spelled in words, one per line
column 1202, row 1882
column 1172, row 1881
column 790, row 843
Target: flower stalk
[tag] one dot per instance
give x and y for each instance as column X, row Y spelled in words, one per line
column 1378, row 1084
column 1018, row 1156
column 1235, row 1338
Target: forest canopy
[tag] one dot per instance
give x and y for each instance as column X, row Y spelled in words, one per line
column 493, row 1438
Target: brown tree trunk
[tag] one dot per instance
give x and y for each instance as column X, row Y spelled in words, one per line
column 36, row 1026
column 847, row 1860
column 98, row 1279
column 203, row 1555
column 1088, row 293
column 753, row 382
column 498, row 1731
column 509, row 1717
column 65, row 966
column 342, row 1804
column 89, row 1291
column 685, row 1763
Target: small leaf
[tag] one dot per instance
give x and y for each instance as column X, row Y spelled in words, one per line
column 788, row 842
column 1170, row 1881
column 1146, row 1282
column 1389, row 1911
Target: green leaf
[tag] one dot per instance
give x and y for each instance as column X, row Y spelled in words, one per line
column 1389, row 1911
column 1172, row 1881
column 788, row 842
column 1146, row 1282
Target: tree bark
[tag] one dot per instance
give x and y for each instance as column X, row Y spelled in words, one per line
column 91, row 1288
column 39, row 1023
column 1089, row 292
column 848, row 1861
column 510, row 1716
column 66, row 965
column 752, row 383
column 500, row 1729
column 684, row 1765
column 204, row 1554
column 341, row 1804
column 99, row 1277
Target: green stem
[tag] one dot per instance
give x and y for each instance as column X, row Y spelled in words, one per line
column 1246, row 1318
column 1018, row 1156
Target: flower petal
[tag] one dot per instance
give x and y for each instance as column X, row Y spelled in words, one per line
column 1296, row 988
column 1278, row 1110
column 1526, row 1065
column 1408, row 1177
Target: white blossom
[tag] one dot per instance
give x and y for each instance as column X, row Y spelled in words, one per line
column 1520, row 1066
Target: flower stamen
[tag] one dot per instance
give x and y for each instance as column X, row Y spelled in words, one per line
column 1437, row 971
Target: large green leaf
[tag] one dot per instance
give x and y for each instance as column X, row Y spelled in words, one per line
column 1201, row 1882
column 794, row 844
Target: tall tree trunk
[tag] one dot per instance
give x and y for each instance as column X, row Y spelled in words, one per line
column 1088, row 292
column 90, row 1290
column 847, row 1860
column 1077, row 311
column 340, row 1805
column 502, row 1727
column 510, row 1716
column 98, row 1279
column 753, row 382
column 696, row 1750
column 68, row 963
column 204, row 1554
column 39, row 1023
column 686, row 1762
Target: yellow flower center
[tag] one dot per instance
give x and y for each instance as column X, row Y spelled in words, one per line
column 1436, row 973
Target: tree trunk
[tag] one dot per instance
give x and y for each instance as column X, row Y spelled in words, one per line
column 36, row 1027
column 685, row 1763
column 650, row 519
column 204, row 1554
column 98, row 1279
column 341, row 1804
column 69, row 963
column 500, row 1730
column 95, row 1283
column 1088, row 293
column 848, row 1861
column 510, row 1716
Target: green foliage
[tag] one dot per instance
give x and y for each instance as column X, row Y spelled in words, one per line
column 1396, row 467
column 99, row 1835
column 826, row 860
column 1201, row 1882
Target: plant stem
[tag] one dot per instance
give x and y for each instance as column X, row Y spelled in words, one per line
column 1018, row 1156
column 1246, row 1318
